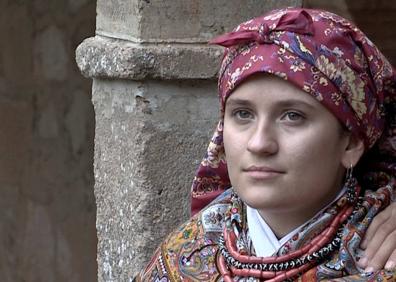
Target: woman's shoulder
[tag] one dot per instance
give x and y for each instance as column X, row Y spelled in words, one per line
column 189, row 252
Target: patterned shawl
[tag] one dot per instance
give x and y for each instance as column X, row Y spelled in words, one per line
column 191, row 252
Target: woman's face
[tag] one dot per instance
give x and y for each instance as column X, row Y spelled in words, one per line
column 283, row 148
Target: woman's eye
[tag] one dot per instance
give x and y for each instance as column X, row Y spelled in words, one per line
column 243, row 114
column 292, row 116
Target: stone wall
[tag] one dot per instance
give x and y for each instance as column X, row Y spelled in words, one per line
column 47, row 219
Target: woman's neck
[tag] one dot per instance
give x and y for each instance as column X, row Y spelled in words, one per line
column 284, row 221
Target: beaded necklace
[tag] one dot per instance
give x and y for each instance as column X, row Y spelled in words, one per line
column 235, row 261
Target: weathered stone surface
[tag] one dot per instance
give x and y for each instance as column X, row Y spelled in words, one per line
column 15, row 139
column 178, row 20
column 47, row 223
column 38, row 223
column 78, row 121
column 75, row 6
column 102, row 57
column 50, row 54
column 15, row 149
column 16, row 60
column 149, row 140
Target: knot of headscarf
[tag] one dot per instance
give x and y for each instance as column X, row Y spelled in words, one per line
column 297, row 21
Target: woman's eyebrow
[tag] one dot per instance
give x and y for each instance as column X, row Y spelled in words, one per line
column 282, row 103
column 295, row 103
column 238, row 102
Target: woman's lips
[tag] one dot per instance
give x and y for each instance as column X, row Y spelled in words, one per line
column 262, row 172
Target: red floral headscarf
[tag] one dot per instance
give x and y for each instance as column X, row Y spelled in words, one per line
column 329, row 58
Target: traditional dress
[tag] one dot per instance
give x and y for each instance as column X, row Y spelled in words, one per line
column 191, row 252
column 332, row 60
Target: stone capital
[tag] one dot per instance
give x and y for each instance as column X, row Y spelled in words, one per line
column 101, row 57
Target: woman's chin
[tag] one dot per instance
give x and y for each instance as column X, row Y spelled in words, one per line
column 262, row 202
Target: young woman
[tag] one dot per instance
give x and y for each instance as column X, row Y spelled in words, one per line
column 306, row 141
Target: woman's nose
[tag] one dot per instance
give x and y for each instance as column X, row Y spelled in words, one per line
column 263, row 140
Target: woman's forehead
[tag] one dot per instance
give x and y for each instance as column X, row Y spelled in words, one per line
column 267, row 86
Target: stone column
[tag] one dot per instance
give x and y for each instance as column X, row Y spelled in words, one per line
column 154, row 93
